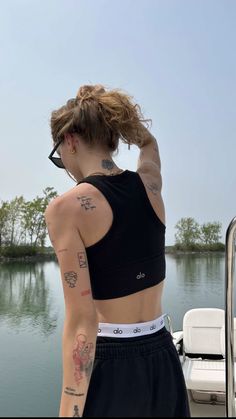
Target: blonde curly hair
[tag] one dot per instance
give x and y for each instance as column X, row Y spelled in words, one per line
column 100, row 117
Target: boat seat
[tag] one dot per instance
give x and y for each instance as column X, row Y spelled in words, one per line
column 203, row 331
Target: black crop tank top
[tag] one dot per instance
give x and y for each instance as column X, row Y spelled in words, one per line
column 131, row 255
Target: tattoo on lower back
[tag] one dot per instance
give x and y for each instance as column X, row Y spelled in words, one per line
column 83, row 358
column 82, row 259
column 107, row 164
column 72, row 392
column 71, row 278
column 76, row 412
column 85, row 202
column 153, row 188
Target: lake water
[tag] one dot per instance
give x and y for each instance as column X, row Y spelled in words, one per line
column 31, row 321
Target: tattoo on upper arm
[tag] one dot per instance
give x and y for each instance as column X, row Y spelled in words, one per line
column 85, row 202
column 72, row 392
column 71, row 278
column 85, row 292
column 82, row 259
column 76, row 412
column 82, row 357
column 62, row 250
column 153, row 187
column 107, row 164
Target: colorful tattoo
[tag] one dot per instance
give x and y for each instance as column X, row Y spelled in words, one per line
column 85, row 292
column 71, row 278
column 82, row 259
column 82, row 358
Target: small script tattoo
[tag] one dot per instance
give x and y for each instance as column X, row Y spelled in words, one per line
column 82, row 358
column 85, row 202
column 153, row 188
column 71, row 278
column 76, row 412
column 82, row 259
column 107, row 164
column 72, row 392
column 85, row 292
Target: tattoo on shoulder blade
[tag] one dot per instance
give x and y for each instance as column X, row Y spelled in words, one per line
column 107, row 164
column 71, row 278
column 153, row 188
column 85, row 202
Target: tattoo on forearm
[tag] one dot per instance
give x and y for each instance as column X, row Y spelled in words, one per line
column 107, row 164
column 62, row 250
column 71, row 278
column 76, row 412
column 153, row 188
column 82, row 259
column 86, row 292
column 82, row 358
column 72, row 392
column 85, row 202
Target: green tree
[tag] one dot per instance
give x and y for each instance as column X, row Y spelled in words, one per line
column 188, row 232
column 15, row 231
column 34, row 221
column 4, row 208
column 211, row 233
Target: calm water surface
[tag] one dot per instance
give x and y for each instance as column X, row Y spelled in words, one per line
column 31, row 321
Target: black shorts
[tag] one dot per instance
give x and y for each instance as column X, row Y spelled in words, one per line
column 137, row 377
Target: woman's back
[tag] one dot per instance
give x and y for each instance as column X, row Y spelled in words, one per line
column 140, row 306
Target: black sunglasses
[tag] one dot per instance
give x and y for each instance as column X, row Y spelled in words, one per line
column 57, row 160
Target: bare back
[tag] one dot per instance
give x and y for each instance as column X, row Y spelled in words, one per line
column 141, row 306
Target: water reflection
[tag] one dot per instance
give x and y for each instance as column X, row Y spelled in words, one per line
column 25, row 298
column 195, row 267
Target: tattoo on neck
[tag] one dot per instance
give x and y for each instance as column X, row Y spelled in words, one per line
column 107, row 164
column 85, row 202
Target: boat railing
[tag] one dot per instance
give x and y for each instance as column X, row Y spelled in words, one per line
column 229, row 317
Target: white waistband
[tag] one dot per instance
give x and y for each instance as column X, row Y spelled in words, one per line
column 124, row 330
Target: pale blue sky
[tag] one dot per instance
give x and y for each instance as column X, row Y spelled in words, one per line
column 177, row 58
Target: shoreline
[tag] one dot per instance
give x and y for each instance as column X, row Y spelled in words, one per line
column 169, row 250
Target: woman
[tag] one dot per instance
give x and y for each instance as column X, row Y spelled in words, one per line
column 108, row 233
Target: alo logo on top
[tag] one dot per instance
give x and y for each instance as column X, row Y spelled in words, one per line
column 140, row 275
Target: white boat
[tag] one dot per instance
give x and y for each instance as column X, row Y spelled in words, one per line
column 207, row 349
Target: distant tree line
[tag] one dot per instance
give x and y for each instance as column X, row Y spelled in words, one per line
column 23, row 229
column 191, row 235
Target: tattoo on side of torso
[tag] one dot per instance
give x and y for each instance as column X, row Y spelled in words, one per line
column 72, row 392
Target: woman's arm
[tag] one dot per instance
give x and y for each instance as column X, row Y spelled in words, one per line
column 81, row 324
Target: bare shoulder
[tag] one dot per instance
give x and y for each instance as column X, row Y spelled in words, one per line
column 69, row 203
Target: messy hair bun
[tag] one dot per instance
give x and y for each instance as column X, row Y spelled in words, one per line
column 100, row 117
